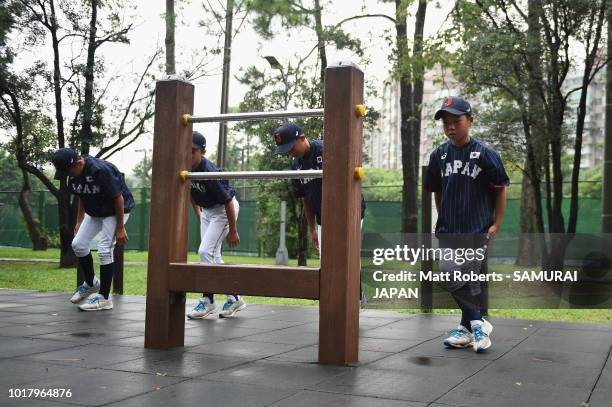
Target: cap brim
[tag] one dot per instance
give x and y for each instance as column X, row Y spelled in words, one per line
column 285, row 148
column 450, row 110
column 199, row 147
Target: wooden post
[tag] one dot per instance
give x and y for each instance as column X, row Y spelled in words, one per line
column 427, row 264
column 165, row 316
column 341, row 209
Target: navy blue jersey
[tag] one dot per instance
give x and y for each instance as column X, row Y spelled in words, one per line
column 98, row 185
column 209, row 193
column 312, row 188
column 466, row 177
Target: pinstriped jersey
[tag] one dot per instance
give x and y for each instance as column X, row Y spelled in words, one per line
column 466, row 177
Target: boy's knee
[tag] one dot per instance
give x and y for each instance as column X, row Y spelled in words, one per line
column 80, row 248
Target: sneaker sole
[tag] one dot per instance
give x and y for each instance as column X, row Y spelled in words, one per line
column 97, row 309
column 449, row 345
column 233, row 313
column 200, row 317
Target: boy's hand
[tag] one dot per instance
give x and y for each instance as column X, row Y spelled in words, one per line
column 492, row 232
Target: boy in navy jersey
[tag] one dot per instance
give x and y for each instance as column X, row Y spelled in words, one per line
column 307, row 155
column 216, row 207
column 469, row 183
column 104, row 206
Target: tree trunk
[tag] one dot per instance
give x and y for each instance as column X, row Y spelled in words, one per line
column 170, row 24
column 407, row 114
column 526, row 255
column 320, row 43
column 88, row 99
column 227, row 57
column 39, row 242
column 606, row 206
column 67, row 257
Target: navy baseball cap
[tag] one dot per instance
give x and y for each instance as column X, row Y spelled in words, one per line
column 454, row 105
column 63, row 160
column 198, row 140
column 286, row 136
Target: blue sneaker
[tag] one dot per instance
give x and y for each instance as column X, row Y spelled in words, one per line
column 482, row 330
column 96, row 302
column 459, row 337
column 202, row 309
column 84, row 290
column 231, row 307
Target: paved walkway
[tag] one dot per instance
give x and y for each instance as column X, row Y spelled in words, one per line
column 266, row 357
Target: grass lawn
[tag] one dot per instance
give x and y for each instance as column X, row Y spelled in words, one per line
column 48, row 277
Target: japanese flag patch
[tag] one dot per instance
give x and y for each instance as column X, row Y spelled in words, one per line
column 474, row 154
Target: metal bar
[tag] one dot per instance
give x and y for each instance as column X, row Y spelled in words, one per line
column 255, row 174
column 227, row 117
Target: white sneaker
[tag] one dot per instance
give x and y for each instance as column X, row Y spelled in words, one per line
column 202, row 309
column 96, row 302
column 482, row 331
column 84, row 290
column 459, row 337
column 231, row 307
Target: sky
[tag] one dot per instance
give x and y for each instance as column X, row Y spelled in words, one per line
column 247, row 49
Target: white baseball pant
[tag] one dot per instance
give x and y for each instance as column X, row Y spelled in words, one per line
column 214, row 228
column 90, row 227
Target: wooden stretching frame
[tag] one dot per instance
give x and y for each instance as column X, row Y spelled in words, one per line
column 335, row 284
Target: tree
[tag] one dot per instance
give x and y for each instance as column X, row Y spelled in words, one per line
column 410, row 71
column 170, row 25
column 528, row 59
column 66, row 20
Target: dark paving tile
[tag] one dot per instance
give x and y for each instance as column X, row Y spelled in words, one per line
column 277, row 374
column 93, row 335
column 9, row 306
column 298, row 315
column 398, row 385
column 571, row 342
column 42, row 308
column 198, row 393
column 430, row 366
column 244, row 349
column 579, row 326
column 386, row 345
column 289, row 336
column 21, row 330
column 27, row 372
column 587, row 360
column 98, row 387
column 493, row 391
column 5, row 401
column 19, row 318
column 435, row 348
column 309, row 398
column 91, row 356
column 258, row 323
column 540, row 373
column 173, row 363
column 12, row 347
column 387, row 332
column 310, row 354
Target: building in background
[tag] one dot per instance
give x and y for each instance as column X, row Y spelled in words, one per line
column 384, row 148
column 595, row 118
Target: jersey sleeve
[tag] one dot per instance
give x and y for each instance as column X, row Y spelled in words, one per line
column 433, row 177
column 110, row 182
column 493, row 169
column 220, row 190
